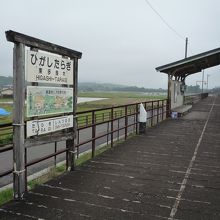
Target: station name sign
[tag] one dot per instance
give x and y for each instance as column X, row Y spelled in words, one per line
column 45, row 126
column 47, row 68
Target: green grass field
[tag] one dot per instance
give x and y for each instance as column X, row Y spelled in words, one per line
column 113, row 99
column 5, row 100
column 117, row 94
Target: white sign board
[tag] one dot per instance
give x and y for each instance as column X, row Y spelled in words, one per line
column 46, row 68
column 44, row 126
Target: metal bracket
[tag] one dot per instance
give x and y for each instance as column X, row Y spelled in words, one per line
column 18, row 124
column 18, row 172
column 73, row 152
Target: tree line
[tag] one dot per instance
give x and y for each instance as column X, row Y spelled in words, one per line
column 93, row 87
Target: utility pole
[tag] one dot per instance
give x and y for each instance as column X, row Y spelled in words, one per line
column 186, row 47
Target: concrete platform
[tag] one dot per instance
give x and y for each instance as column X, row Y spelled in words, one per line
column 171, row 172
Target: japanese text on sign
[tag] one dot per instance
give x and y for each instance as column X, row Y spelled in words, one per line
column 44, row 126
column 46, row 68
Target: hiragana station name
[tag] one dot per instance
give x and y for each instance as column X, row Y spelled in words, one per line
column 46, row 68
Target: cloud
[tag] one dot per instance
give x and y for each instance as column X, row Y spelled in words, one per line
column 122, row 41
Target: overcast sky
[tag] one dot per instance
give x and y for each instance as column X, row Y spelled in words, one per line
column 122, row 41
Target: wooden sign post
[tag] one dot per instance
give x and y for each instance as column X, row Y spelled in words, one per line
column 52, row 107
column 18, row 120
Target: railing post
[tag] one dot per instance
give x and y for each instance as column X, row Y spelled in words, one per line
column 137, row 111
column 126, row 121
column 69, row 144
column 93, row 133
column 86, row 117
column 168, row 109
column 118, row 132
column 55, row 157
column 162, row 109
column 158, row 105
column 152, row 113
column 107, row 132
column 77, row 142
column 112, row 125
column 25, row 161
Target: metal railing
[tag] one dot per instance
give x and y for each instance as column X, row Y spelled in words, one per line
column 191, row 99
column 6, row 131
column 97, row 127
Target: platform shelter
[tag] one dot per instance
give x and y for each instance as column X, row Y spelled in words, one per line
column 178, row 71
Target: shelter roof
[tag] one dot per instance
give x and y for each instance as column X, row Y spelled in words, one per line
column 192, row 64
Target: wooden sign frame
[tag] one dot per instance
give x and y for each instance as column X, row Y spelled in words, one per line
column 20, row 141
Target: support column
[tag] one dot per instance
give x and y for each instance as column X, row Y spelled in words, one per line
column 168, row 97
column 72, row 143
column 18, row 120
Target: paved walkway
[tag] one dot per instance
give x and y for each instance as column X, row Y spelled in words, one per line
column 172, row 172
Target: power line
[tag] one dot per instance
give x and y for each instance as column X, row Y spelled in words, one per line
column 164, row 21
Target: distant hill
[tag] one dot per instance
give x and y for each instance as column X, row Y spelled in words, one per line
column 89, row 86
column 94, row 87
column 6, row 80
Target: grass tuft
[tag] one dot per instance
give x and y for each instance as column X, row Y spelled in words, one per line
column 6, row 196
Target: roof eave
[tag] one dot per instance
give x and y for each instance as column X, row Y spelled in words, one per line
column 166, row 68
